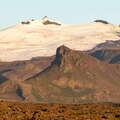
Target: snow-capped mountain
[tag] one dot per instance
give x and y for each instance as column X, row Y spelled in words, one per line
column 41, row 38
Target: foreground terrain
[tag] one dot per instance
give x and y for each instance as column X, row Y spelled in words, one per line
column 29, row 111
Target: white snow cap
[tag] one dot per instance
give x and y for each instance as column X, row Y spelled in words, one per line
column 22, row 42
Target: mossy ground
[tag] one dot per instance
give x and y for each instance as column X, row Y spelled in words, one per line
column 30, row 111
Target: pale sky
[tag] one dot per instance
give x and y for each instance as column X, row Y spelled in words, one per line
column 66, row 11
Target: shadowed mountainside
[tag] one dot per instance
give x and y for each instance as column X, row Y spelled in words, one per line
column 108, row 51
column 111, row 56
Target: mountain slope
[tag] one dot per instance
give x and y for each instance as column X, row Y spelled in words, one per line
column 108, row 51
column 76, row 77
column 13, row 73
column 111, row 56
column 72, row 77
column 34, row 38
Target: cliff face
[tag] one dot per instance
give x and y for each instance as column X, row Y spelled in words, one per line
column 66, row 59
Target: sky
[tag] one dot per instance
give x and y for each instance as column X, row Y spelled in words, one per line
column 65, row 11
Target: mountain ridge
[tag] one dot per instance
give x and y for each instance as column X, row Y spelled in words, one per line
column 89, row 80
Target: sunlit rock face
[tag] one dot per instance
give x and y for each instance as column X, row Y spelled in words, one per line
column 41, row 38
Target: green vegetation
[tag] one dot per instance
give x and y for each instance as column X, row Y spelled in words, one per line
column 36, row 94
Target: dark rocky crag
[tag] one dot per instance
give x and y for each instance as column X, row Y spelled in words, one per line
column 108, row 52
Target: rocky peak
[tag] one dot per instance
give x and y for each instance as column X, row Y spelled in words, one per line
column 69, row 60
column 62, row 53
column 66, row 58
column 63, row 50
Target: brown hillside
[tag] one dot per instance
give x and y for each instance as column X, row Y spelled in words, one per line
column 72, row 77
column 13, row 73
column 76, row 77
